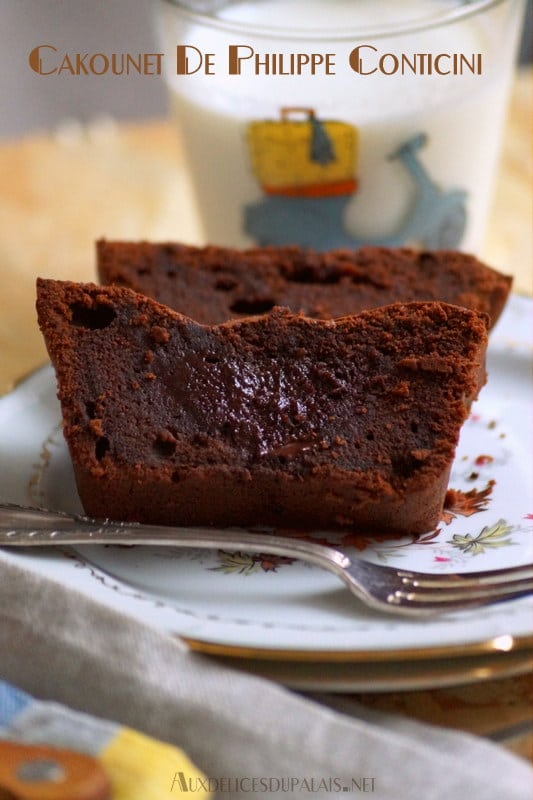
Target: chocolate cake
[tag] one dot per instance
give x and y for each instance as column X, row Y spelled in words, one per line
column 278, row 420
column 214, row 284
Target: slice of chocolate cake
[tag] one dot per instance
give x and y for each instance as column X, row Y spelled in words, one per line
column 214, row 284
column 276, row 420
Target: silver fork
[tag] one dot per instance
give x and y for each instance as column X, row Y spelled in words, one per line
column 391, row 589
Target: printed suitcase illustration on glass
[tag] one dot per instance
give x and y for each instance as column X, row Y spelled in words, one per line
column 304, row 157
column 307, row 169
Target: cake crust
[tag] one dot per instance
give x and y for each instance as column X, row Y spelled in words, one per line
column 277, row 420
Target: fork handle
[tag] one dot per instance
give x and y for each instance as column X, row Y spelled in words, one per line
column 32, row 527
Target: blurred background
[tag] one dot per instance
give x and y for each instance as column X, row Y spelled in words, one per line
column 30, row 102
column 95, row 156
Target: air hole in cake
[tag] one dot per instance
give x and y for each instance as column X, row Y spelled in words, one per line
column 211, row 360
column 226, row 284
column 95, row 318
column 244, row 306
column 379, row 282
column 414, row 427
column 90, row 408
column 171, row 273
column 101, row 447
column 370, row 436
column 404, row 465
column 143, row 271
column 227, row 429
column 304, row 275
column 176, row 477
column 165, row 446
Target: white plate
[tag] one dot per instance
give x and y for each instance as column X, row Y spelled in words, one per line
column 237, row 604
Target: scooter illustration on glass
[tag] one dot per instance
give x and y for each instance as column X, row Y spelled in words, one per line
column 306, row 170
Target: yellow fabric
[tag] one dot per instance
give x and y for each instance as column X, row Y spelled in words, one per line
column 141, row 768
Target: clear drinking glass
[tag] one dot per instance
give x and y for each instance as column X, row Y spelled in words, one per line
column 337, row 123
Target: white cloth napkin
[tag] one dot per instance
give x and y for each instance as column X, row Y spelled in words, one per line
column 252, row 737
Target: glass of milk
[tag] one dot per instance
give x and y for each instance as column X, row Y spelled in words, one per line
column 339, row 123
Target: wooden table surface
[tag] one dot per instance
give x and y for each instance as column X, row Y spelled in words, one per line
column 61, row 191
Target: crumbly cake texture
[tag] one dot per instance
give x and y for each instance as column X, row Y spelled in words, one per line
column 214, row 284
column 278, row 420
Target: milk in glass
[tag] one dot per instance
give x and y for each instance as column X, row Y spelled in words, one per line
column 426, row 144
